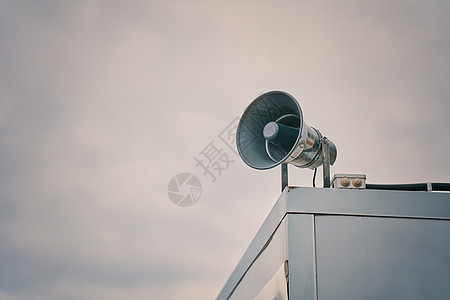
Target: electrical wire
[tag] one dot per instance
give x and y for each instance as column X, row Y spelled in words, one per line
column 435, row 186
column 314, row 177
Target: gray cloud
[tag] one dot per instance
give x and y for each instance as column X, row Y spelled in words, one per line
column 103, row 102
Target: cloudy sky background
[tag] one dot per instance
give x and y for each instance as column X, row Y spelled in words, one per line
column 103, row 102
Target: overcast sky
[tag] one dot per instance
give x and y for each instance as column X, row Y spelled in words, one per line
column 103, row 102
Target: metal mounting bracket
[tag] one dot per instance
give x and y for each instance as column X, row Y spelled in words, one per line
column 326, row 162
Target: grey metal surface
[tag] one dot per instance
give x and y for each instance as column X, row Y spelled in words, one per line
column 277, row 287
column 301, row 256
column 269, row 226
column 301, row 206
column 368, row 202
column 268, row 261
column 382, row 258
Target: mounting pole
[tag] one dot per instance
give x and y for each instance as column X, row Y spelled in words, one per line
column 284, row 176
column 326, row 162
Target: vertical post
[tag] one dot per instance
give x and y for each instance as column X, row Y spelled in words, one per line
column 284, row 176
column 326, row 163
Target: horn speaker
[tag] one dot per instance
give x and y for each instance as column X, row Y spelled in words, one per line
column 272, row 131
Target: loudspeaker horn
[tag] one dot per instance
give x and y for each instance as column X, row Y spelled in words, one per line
column 272, row 131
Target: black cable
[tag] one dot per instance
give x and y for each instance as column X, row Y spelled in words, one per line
column 314, row 177
column 409, row 187
column 439, row 186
